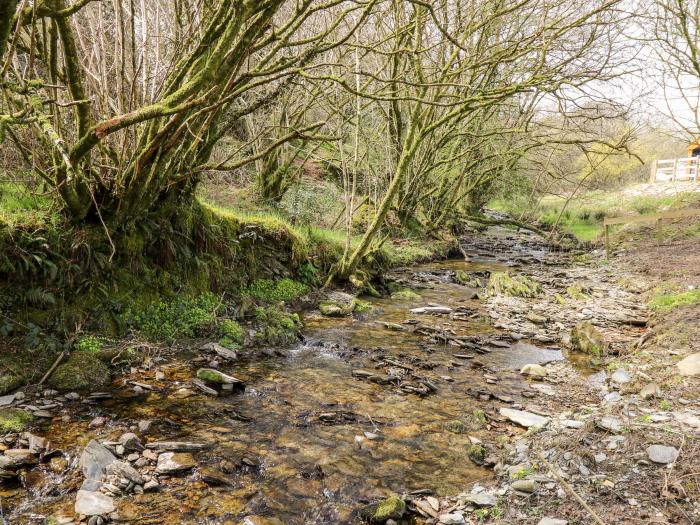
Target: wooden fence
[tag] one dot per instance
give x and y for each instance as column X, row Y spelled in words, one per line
column 630, row 219
column 672, row 170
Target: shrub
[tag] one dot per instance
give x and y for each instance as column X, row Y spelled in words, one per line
column 168, row 320
column 230, row 332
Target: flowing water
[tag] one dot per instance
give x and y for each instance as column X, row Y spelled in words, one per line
column 294, row 445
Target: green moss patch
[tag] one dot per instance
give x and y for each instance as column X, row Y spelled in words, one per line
column 14, row 419
column 502, row 283
column 276, row 327
column 392, row 508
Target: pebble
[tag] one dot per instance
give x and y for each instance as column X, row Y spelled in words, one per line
column 552, row 521
column 97, row 422
column 620, row 377
column 524, row 485
column 452, row 519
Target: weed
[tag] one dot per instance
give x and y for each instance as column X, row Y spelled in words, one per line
column 523, row 473
column 363, row 306
column 664, row 301
column 89, row 344
column 665, row 405
column 14, row 419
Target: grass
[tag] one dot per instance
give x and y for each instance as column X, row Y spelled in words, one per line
column 666, row 300
column 584, row 215
column 21, row 207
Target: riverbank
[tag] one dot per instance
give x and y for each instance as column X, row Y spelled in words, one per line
column 417, row 395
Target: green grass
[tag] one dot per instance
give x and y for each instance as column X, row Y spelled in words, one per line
column 665, row 301
column 21, row 207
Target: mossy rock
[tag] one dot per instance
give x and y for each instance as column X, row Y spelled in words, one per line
column 392, row 508
column 276, row 327
column 337, row 304
column 477, row 453
column 404, row 295
column 587, row 340
column 14, row 419
column 502, row 283
column 578, row 291
column 9, row 383
column 82, row 371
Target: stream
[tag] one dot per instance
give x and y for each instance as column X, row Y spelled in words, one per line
column 316, row 434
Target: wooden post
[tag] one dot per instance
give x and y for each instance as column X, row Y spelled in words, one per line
column 607, row 242
column 652, row 174
column 675, row 165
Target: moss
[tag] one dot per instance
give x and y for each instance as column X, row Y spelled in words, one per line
column 578, row 291
column 477, row 453
column 405, row 295
column 456, row 426
column 14, row 419
column 363, row 307
column 392, row 508
column 502, row 283
column 586, row 339
column 559, row 298
column 82, row 371
column 8, row 383
column 210, row 376
column 276, row 327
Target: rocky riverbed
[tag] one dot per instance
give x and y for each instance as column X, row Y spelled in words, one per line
column 460, row 398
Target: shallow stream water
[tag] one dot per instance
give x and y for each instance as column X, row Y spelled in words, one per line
column 294, row 445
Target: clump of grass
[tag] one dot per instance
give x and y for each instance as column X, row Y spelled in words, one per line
column 14, row 419
column 665, row 301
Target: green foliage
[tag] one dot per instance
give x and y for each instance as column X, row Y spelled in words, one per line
column 181, row 317
column 363, row 306
column 230, row 332
column 665, row 405
column 666, row 300
column 14, row 419
column 90, row 344
column 276, row 327
column 477, row 453
column 456, row 426
column 523, row 473
column 281, row 290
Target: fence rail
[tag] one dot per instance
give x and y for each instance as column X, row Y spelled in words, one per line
column 658, row 217
column 672, row 170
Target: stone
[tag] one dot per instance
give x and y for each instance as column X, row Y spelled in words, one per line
column 214, row 477
column 7, row 400
column 431, row 310
column 16, row 457
column 481, row 499
column 125, row 470
column 536, row 319
column 620, row 377
column 176, row 446
column 524, row 485
column 586, row 339
column 36, row 443
column 523, row 418
column 453, row 518
column 690, row 366
column 89, row 503
column 572, row 423
column 97, row 422
column 650, row 391
column 221, row 351
column 600, row 457
column 144, row 426
column 151, row 486
column 212, row 376
column 662, row 454
column 337, row 304
column 130, row 441
column 392, row 508
column 534, row 370
column 95, row 459
column 174, row 462
column 552, row 521
column 610, row 423
column 183, row 393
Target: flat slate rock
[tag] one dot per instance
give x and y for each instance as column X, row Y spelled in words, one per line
column 662, row 454
column 523, row 418
column 174, row 462
column 7, row 400
column 610, row 423
column 482, row 499
column 177, row 446
column 90, row 503
column 690, row 366
column 95, row 460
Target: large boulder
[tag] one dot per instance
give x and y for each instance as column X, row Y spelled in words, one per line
column 82, row 371
column 337, row 304
column 586, row 339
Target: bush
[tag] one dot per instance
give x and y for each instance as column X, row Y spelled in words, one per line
column 183, row 317
column 230, row 332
